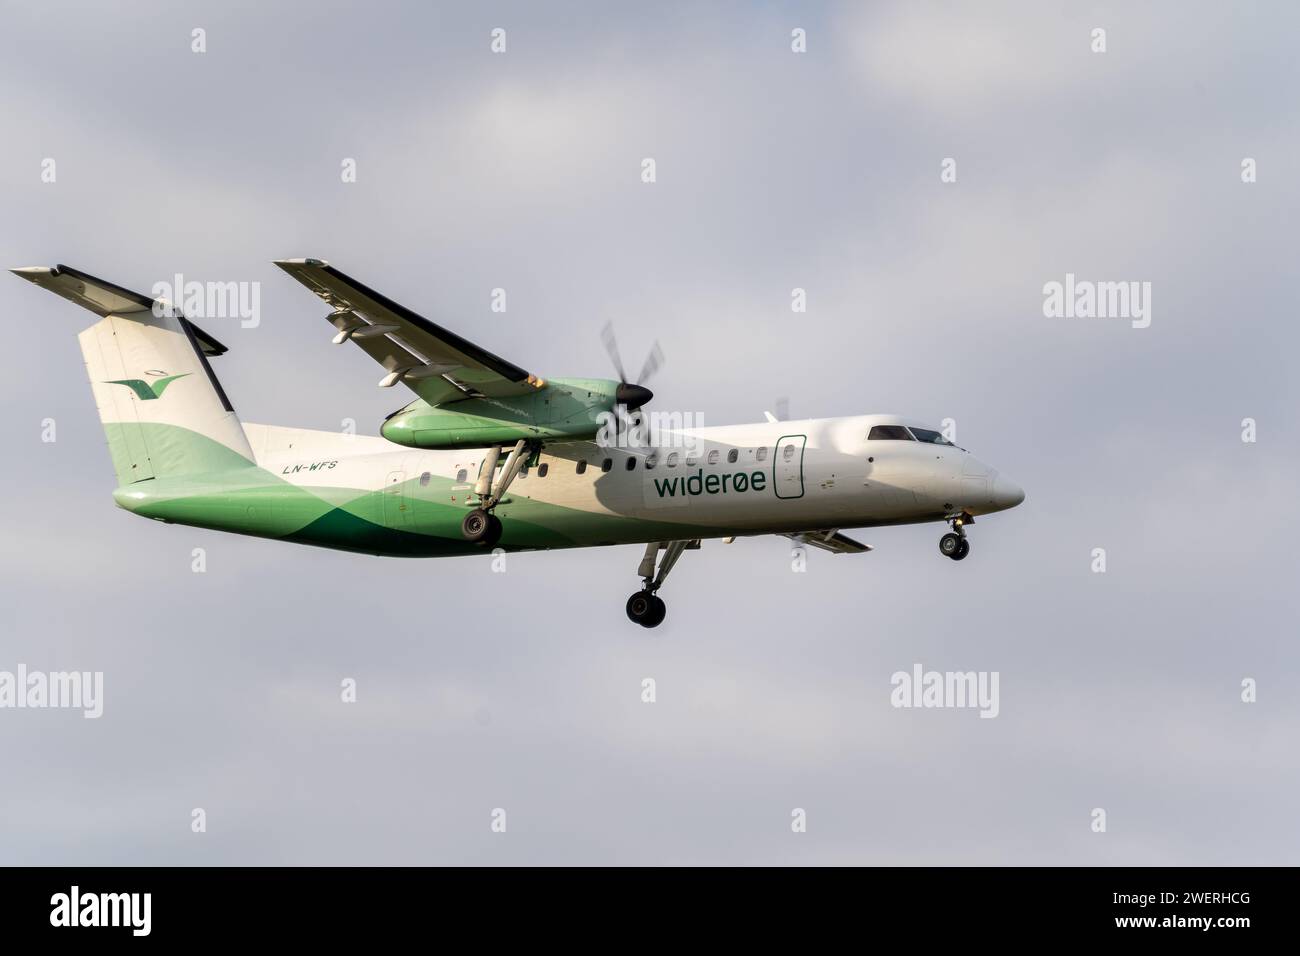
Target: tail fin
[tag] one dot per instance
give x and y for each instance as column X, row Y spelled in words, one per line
column 163, row 410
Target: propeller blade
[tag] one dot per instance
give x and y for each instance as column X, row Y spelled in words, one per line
column 653, row 362
column 611, row 348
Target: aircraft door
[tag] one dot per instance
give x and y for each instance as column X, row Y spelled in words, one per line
column 397, row 507
column 787, row 466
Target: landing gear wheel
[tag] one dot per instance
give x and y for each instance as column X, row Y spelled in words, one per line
column 481, row 528
column 962, row 551
column 660, row 612
column 646, row 609
column 950, row 546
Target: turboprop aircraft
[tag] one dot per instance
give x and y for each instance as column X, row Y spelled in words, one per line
column 488, row 455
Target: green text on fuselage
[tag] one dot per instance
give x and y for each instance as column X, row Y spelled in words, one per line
column 702, row 484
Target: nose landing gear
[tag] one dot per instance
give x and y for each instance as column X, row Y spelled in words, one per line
column 954, row 544
column 646, row 607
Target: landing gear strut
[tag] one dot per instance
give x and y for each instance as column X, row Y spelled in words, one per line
column 954, row 544
column 645, row 607
column 481, row 526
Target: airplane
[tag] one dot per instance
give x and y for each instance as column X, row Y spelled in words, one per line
column 489, row 456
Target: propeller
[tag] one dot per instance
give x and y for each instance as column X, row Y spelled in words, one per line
column 629, row 394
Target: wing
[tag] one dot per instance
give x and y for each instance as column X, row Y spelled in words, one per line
column 831, row 540
column 436, row 364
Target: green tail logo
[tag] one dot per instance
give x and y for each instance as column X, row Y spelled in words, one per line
column 145, row 391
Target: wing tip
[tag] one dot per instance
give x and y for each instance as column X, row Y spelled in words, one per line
column 300, row 262
column 33, row 273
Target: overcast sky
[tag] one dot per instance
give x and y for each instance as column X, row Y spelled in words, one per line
column 775, row 170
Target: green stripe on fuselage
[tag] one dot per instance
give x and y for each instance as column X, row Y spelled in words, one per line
column 403, row 520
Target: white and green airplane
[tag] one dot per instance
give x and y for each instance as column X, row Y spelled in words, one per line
column 487, row 455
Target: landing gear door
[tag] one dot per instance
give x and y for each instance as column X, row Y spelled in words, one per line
column 787, row 466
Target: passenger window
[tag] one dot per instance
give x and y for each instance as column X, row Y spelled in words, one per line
column 543, row 469
column 424, row 480
column 631, row 462
column 651, row 461
column 732, row 456
column 761, row 455
column 672, row 460
column 607, row 464
column 582, row 466
column 523, row 473
column 713, row 457
column 889, row 433
column 788, row 453
column 460, row 475
column 690, row 462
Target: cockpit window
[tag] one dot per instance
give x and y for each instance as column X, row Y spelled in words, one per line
column 931, row 436
column 889, row 433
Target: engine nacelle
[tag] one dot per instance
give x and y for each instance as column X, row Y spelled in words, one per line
column 565, row 409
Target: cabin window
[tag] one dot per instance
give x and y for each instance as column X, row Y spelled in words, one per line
column 631, row 462
column 543, row 469
column 732, row 456
column 931, row 436
column 523, row 473
column 672, row 460
column 761, row 455
column 650, row 461
column 582, row 466
column 788, row 452
column 713, row 457
column 461, row 475
column 424, row 480
column 889, row 433
column 607, row 464
column 690, row 461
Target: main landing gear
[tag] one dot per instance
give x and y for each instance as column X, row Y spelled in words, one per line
column 481, row 526
column 954, row 544
column 645, row 607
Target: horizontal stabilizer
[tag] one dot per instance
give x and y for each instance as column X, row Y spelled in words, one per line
column 103, row 297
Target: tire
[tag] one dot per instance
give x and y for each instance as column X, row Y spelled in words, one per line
column 641, row 607
column 962, row 551
column 658, row 612
column 494, row 532
column 476, row 526
column 950, row 544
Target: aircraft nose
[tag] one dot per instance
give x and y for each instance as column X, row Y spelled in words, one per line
column 1006, row 494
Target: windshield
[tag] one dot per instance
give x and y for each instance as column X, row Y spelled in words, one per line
column 888, row 433
column 933, row 437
